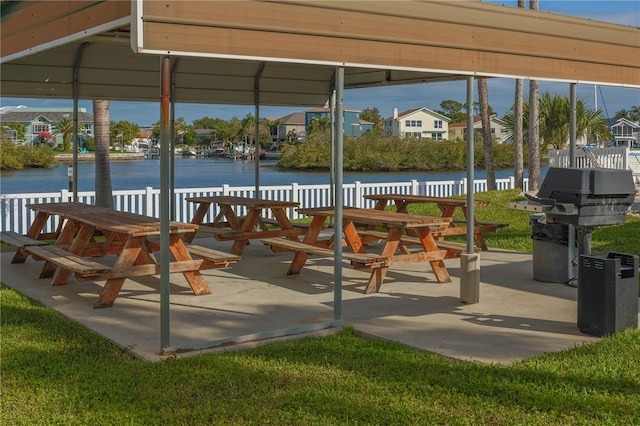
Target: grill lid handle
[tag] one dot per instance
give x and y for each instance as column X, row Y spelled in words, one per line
column 546, row 201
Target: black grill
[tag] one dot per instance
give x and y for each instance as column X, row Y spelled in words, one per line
column 586, row 197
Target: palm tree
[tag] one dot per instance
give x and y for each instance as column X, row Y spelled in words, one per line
column 181, row 127
column 534, row 139
column 518, row 154
column 554, row 121
column 64, row 127
column 591, row 124
column 271, row 125
column 104, row 193
column 320, row 124
column 247, row 128
column 487, row 139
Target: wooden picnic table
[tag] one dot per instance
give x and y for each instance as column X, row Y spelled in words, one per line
column 257, row 224
column 393, row 252
column 123, row 234
column 448, row 207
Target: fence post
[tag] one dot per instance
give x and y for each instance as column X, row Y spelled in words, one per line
column 64, row 195
column 225, row 189
column 357, row 193
column 148, row 201
column 625, row 159
column 414, row 187
column 462, row 187
column 295, row 197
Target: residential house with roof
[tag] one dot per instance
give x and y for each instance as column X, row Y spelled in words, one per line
column 206, row 136
column 353, row 126
column 500, row 132
column 626, row 133
column 38, row 120
column 291, row 127
column 417, row 123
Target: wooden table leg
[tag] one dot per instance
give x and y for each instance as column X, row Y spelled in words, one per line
column 401, row 206
column 194, row 278
column 34, row 232
column 197, row 218
column 352, row 238
column 127, row 257
column 377, row 274
column 247, row 226
column 429, row 245
column 82, row 238
column 310, row 238
column 477, row 236
column 283, row 222
column 381, row 204
column 480, row 242
column 66, row 236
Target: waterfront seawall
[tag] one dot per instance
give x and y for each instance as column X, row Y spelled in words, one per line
column 65, row 158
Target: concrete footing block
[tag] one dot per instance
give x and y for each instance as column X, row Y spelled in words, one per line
column 470, row 278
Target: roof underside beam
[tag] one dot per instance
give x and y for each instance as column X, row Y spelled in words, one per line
column 222, row 44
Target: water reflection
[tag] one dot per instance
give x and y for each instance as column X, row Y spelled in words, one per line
column 193, row 172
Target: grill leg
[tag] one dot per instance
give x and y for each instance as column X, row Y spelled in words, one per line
column 584, row 239
column 583, row 234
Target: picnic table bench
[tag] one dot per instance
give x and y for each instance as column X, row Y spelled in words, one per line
column 453, row 249
column 42, row 250
column 212, row 258
column 128, row 236
column 392, row 253
column 263, row 219
column 358, row 260
column 18, row 240
column 447, row 206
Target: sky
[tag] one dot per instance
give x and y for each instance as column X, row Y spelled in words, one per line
column 501, row 90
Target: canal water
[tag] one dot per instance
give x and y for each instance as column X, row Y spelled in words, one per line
column 193, row 172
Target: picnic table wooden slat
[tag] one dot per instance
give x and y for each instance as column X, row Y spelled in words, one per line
column 229, row 226
column 395, row 223
column 447, row 207
column 125, row 234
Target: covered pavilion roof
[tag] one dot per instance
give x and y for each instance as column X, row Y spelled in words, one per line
column 221, row 48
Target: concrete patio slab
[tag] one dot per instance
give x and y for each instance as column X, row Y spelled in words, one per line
column 516, row 318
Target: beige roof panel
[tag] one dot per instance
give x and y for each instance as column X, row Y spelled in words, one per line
column 294, row 47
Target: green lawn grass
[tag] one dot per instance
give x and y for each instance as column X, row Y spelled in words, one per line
column 54, row 371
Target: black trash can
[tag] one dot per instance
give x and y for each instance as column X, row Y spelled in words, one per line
column 607, row 293
column 551, row 253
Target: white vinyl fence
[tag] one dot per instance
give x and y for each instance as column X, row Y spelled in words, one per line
column 17, row 217
column 610, row 158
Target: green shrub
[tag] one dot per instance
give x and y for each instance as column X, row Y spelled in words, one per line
column 89, row 144
column 371, row 153
column 36, row 155
column 9, row 158
column 16, row 157
column 313, row 154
